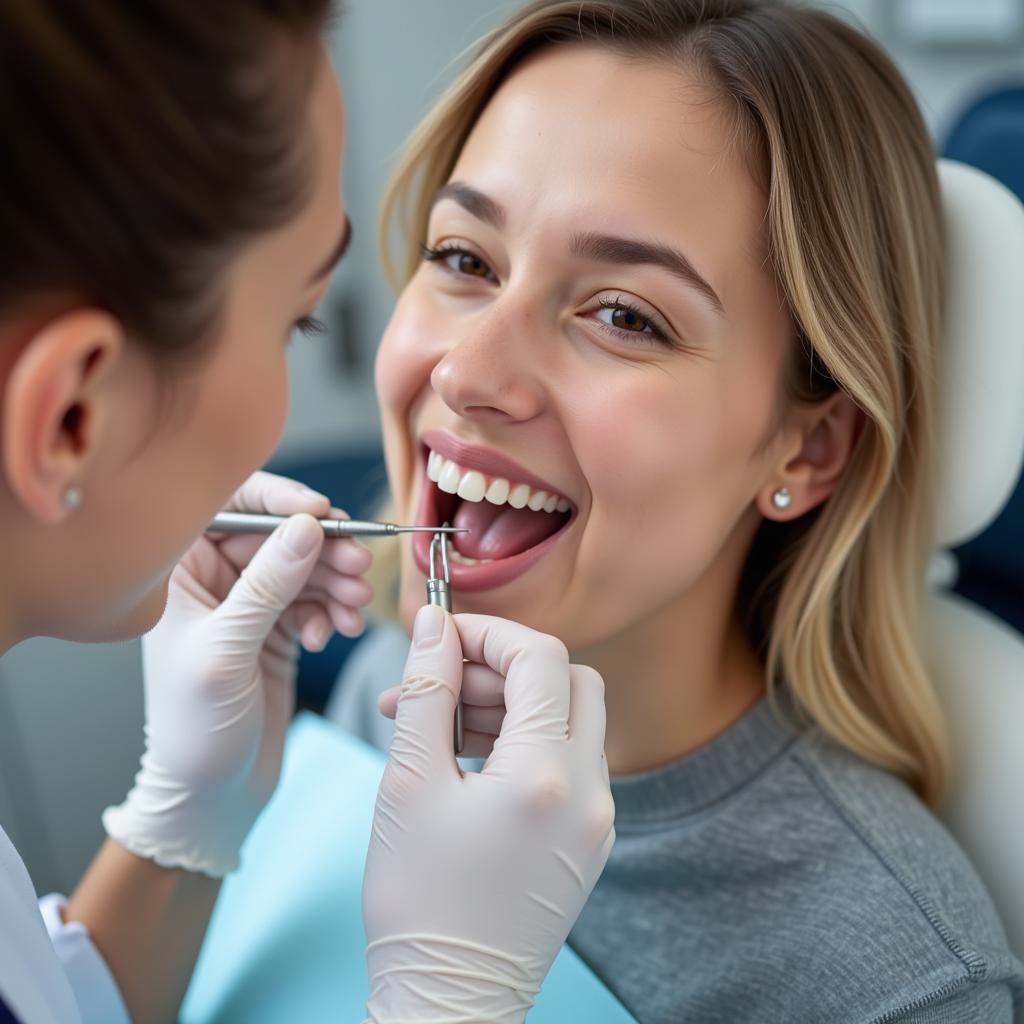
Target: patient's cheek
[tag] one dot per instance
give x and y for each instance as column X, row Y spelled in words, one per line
column 632, row 443
column 407, row 354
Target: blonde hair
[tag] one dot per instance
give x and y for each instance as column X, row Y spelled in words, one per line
column 854, row 230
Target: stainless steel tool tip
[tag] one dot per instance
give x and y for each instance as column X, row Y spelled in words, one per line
column 433, row 529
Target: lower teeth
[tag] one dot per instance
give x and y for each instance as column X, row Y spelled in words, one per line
column 457, row 556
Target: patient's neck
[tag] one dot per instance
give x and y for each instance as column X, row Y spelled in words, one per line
column 675, row 680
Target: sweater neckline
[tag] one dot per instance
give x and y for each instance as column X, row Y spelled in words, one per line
column 725, row 764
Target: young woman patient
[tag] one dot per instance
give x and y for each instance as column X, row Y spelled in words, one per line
column 667, row 346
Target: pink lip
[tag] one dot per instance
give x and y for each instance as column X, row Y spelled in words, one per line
column 485, row 461
column 474, row 578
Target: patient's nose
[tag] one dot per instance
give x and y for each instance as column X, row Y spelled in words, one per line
column 492, row 371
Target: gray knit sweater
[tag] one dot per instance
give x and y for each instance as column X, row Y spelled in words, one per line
column 770, row 877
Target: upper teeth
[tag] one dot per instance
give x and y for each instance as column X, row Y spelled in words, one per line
column 471, row 485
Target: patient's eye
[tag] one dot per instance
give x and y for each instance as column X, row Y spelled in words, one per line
column 626, row 319
column 467, row 263
column 459, row 260
column 622, row 316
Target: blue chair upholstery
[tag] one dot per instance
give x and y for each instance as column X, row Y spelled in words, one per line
column 989, row 135
column 355, row 482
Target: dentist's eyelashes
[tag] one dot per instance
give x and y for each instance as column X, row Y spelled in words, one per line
column 309, row 327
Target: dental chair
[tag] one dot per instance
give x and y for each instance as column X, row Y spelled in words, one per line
column 976, row 660
column 989, row 135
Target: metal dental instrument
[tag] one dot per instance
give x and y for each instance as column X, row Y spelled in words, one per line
column 248, row 522
column 438, row 593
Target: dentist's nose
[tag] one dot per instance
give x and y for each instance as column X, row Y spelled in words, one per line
column 488, row 373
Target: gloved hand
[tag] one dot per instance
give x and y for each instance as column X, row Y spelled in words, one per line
column 220, row 672
column 473, row 881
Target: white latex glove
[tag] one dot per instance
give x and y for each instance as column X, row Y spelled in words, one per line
column 473, row 881
column 220, row 672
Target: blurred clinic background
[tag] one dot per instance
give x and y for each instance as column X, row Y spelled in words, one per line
column 71, row 715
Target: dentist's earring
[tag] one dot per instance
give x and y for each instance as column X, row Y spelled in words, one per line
column 782, row 499
column 72, row 498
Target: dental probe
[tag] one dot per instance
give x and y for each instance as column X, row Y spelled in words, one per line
column 439, row 594
column 249, row 522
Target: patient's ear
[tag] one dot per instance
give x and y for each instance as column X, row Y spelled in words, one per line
column 824, row 437
column 53, row 408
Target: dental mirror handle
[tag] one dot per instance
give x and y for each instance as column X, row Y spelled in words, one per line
column 251, row 522
column 439, row 594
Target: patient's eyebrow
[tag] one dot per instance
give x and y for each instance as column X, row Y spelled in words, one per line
column 609, row 249
column 473, row 201
column 602, row 248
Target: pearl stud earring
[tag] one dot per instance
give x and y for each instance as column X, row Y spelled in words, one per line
column 782, row 499
column 72, row 498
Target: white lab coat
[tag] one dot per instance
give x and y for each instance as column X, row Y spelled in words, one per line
column 50, row 972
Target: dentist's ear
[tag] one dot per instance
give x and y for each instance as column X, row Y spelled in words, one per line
column 823, row 442
column 51, row 409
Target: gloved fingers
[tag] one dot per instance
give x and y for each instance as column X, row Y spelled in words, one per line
column 476, row 744
column 347, row 554
column 238, row 548
column 347, row 621
column 587, row 713
column 343, row 617
column 340, row 557
column 351, row 591
column 484, row 721
column 279, row 496
column 297, row 615
column 199, row 581
column 481, row 687
column 336, row 617
column 431, row 682
column 310, row 622
column 276, row 576
column 536, row 670
column 281, row 644
column 387, row 701
column 316, row 632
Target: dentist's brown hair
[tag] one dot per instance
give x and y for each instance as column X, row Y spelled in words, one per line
column 854, row 229
column 145, row 143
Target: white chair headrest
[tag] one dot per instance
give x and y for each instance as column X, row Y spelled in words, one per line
column 981, row 395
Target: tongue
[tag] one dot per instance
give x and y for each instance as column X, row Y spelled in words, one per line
column 500, row 531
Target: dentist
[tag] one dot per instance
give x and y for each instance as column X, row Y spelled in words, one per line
column 170, row 214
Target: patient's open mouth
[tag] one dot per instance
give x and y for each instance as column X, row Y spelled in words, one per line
column 512, row 519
